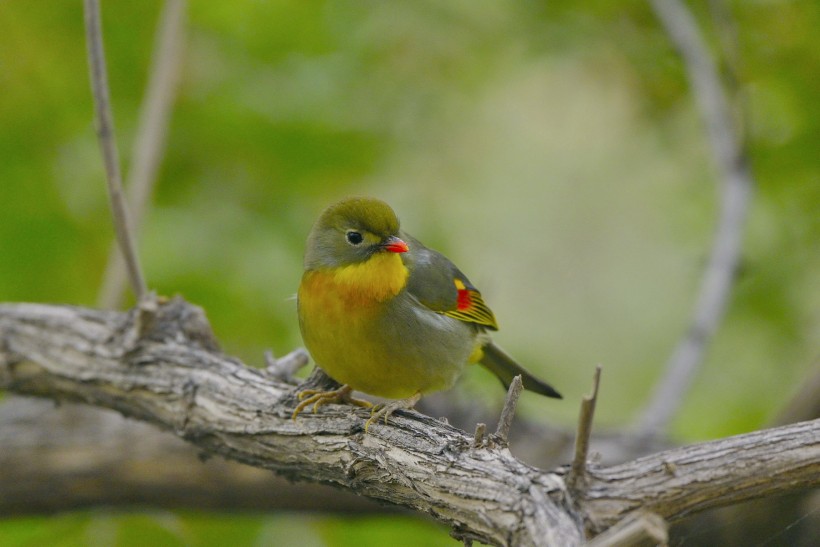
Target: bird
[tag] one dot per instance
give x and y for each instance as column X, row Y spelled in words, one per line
column 384, row 315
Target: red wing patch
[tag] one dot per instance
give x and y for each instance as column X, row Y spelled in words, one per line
column 470, row 307
column 464, row 301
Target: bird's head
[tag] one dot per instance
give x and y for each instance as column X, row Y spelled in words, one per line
column 351, row 232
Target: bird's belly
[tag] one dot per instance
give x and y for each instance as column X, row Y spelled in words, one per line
column 391, row 350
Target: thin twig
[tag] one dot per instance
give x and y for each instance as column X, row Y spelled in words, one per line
column 634, row 529
column 508, row 412
column 726, row 31
column 149, row 144
column 579, row 463
column 732, row 164
column 286, row 366
column 478, row 436
column 108, row 145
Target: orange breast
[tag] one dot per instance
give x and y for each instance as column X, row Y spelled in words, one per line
column 338, row 312
column 355, row 287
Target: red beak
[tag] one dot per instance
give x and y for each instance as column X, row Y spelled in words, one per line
column 395, row 245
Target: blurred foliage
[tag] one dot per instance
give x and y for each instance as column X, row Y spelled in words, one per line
column 553, row 152
column 188, row 529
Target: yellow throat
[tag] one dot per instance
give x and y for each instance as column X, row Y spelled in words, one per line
column 378, row 279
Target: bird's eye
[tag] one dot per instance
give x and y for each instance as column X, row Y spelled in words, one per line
column 354, row 238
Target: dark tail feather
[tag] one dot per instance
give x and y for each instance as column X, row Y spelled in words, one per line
column 505, row 367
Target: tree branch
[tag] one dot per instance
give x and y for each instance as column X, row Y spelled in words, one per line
column 173, row 376
column 108, row 146
column 72, row 456
column 635, row 529
column 727, row 471
column 718, row 277
column 149, row 143
column 578, row 468
column 502, row 431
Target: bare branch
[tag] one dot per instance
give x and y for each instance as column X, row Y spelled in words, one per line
column 502, row 431
column 737, row 183
column 638, row 527
column 735, row 468
column 478, row 436
column 286, row 366
column 108, row 146
column 149, row 144
column 577, row 473
column 173, row 377
column 60, row 458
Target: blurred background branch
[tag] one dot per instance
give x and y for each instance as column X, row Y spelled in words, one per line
column 736, row 187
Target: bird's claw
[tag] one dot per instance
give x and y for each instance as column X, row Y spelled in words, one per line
column 319, row 398
column 385, row 410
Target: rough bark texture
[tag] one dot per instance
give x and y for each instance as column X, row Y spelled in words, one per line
column 692, row 478
column 59, row 458
column 163, row 366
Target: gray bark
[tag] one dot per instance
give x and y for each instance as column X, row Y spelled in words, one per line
column 59, row 458
column 163, row 366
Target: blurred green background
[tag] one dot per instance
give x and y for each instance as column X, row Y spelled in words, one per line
column 553, row 152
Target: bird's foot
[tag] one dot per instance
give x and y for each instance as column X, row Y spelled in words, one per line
column 384, row 410
column 318, row 398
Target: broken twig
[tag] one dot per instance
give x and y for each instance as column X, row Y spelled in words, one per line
column 579, row 462
column 508, row 412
